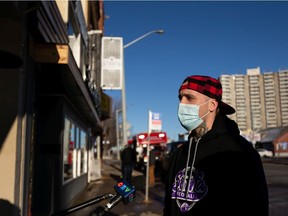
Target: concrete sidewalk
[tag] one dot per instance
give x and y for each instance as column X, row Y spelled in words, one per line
column 111, row 172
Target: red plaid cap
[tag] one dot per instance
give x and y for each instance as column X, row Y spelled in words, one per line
column 208, row 86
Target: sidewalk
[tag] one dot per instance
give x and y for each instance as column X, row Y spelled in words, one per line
column 110, row 173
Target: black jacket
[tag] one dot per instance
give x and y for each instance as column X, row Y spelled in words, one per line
column 228, row 176
column 128, row 156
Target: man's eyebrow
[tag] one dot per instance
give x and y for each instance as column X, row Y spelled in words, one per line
column 187, row 95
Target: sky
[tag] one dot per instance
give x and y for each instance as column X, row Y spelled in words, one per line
column 201, row 37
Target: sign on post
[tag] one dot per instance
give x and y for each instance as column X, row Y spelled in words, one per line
column 156, row 123
column 112, row 63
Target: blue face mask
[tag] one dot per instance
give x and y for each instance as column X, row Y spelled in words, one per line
column 188, row 115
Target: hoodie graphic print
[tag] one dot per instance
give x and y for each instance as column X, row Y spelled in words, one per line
column 189, row 185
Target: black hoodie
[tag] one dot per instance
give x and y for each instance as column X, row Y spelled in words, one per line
column 227, row 176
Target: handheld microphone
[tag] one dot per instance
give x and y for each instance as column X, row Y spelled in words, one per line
column 125, row 192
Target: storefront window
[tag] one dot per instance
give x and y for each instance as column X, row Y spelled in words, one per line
column 74, row 150
column 83, row 151
column 68, row 148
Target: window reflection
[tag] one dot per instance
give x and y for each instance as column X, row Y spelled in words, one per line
column 74, row 150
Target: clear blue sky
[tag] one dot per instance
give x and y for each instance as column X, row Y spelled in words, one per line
column 207, row 37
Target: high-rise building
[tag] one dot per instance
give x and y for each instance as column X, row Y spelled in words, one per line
column 260, row 99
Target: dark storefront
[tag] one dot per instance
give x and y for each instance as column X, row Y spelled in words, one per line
column 52, row 126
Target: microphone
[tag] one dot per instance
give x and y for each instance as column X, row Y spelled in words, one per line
column 125, row 192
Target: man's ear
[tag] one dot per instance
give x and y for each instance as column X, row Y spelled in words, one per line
column 213, row 105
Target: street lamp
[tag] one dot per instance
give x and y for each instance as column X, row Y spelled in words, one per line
column 160, row 31
column 124, row 127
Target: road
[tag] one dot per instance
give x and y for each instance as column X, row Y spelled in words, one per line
column 276, row 175
column 277, row 180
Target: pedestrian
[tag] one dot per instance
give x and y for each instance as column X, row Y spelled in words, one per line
column 152, row 161
column 128, row 159
column 217, row 171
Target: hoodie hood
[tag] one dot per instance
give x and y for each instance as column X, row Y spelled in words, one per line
column 222, row 125
column 227, row 125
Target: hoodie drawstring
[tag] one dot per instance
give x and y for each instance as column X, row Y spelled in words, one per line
column 193, row 162
column 187, row 164
column 185, row 183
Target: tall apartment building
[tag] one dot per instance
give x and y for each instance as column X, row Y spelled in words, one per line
column 260, row 100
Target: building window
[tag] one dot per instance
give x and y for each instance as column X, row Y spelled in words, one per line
column 83, row 152
column 74, row 150
column 68, row 147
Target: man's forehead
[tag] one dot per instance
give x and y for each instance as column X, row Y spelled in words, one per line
column 190, row 92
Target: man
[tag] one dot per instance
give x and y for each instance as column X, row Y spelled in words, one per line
column 128, row 158
column 217, row 172
column 152, row 162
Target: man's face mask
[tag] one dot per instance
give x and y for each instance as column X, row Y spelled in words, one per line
column 188, row 115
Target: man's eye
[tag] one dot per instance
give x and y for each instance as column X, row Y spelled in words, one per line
column 180, row 97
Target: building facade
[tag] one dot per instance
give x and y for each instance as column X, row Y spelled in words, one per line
column 51, row 103
column 260, row 100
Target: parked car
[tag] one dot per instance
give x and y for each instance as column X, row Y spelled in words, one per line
column 166, row 158
column 264, row 153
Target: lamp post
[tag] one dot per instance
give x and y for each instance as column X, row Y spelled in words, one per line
column 124, row 127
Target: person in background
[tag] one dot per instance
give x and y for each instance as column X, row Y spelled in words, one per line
column 128, row 159
column 152, row 162
column 217, row 172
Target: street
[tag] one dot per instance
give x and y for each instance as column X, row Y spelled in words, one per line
column 277, row 180
column 276, row 175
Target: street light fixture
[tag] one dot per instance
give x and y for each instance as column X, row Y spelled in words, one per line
column 124, row 127
column 159, row 31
